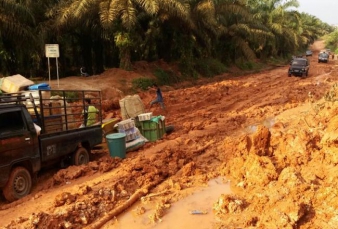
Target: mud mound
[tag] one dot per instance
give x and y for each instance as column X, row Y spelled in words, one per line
column 284, row 180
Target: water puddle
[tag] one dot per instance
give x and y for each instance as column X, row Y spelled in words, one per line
column 268, row 122
column 179, row 215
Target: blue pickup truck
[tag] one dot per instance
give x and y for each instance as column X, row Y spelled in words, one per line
column 36, row 133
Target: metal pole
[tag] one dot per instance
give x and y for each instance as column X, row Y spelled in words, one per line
column 48, row 69
column 57, row 71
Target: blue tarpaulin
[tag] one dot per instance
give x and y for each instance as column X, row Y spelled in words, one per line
column 40, row 86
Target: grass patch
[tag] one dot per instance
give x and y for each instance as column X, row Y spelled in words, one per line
column 142, row 83
column 249, row 65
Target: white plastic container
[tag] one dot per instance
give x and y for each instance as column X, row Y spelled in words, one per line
column 145, row 116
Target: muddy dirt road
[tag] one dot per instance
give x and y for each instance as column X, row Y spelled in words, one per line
column 269, row 139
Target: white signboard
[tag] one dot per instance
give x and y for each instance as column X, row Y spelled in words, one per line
column 52, row 50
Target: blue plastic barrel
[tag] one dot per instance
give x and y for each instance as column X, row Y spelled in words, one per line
column 117, row 144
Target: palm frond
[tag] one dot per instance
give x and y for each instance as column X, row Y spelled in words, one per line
column 175, row 8
column 109, row 11
column 128, row 15
column 244, row 47
column 16, row 20
column 149, row 6
column 204, row 14
column 74, row 11
column 234, row 10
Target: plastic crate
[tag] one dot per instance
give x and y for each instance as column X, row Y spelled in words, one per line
column 152, row 130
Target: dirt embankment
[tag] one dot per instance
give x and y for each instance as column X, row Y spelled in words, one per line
column 273, row 136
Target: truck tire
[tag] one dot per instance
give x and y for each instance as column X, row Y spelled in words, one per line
column 81, row 156
column 18, row 185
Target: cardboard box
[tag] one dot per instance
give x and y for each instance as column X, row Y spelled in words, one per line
column 145, row 116
column 45, row 97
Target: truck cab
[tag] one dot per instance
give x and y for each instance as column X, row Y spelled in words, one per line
column 19, row 150
column 299, row 67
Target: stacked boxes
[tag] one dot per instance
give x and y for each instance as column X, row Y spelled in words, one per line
column 145, row 116
column 128, row 127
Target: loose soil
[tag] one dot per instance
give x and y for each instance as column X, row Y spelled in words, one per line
column 272, row 139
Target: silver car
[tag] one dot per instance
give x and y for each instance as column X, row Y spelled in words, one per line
column 308, row 53
column 323, row 57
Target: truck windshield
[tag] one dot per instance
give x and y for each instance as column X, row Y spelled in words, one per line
column 299, row 62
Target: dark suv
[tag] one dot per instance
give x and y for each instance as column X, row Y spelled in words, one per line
column 299, row 67
column 323, row 57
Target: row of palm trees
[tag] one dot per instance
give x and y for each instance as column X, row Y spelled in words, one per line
column 100, row 34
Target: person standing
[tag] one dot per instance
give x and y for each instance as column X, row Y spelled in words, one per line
column 89, row 113
column 159, row 97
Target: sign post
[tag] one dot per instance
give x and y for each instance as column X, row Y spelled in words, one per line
column 52, row 51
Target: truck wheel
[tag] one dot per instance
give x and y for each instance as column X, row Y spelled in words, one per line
column 81, row 156
column 18, row 185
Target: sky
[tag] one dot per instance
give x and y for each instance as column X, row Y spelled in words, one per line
column 325, row 10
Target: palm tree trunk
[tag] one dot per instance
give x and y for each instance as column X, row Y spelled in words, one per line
column 125, row 58
column 86, row 49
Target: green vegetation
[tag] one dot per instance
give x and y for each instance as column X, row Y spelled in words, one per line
column 166, row 77
column 142, row 83
column 201, row 36
column 70, row 96
column 210, row 67
column 332, row 41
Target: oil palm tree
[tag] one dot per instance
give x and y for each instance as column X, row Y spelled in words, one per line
column 282, row 20
column 118, row 20
column 16, row 35
column 312, row 29
column 238, row 30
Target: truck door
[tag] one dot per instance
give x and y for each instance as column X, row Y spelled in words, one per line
column 17, row 140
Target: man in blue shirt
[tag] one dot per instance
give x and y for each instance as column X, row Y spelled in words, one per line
column 159, row 97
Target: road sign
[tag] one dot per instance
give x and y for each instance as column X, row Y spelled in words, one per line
column 52, row 50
